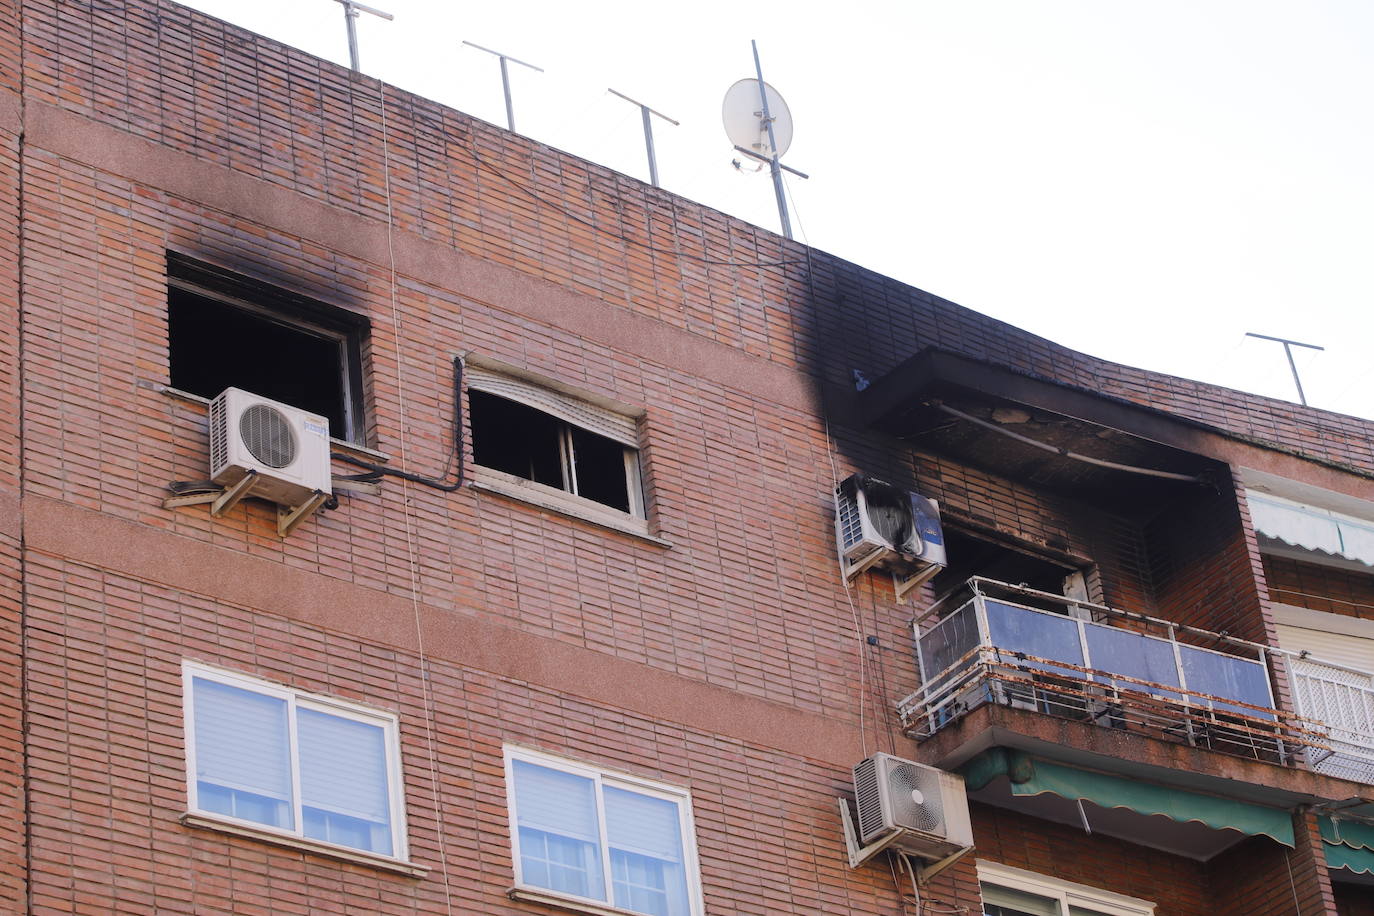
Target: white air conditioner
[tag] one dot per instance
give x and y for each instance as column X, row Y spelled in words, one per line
column 925, row 806
column 286, row 448
column 878, row 524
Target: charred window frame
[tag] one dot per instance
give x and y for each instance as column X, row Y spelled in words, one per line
column 228, row 330
column 554, row 442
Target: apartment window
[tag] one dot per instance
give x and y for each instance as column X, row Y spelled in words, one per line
column 298, row 765
column 582, row 835
column 1014, row 892
column 226, row 330
column 568, row 448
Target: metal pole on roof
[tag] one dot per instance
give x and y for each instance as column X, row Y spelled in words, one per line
column 1288, row 346
column 351, row 9
column 646, row 111
column 774, row 166
column 505, row 79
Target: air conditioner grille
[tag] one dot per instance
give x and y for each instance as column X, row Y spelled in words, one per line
column 868, row 799
column 268, row 436
column 219, row 434
column 905, row 783
column 851, row 522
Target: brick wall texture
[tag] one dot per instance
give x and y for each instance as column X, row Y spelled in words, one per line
column 725, row 656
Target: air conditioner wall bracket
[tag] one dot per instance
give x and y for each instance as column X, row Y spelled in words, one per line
column 859, row 855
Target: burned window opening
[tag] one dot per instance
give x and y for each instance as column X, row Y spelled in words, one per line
column 227, row 331
column 971, row 556
column 524, row 442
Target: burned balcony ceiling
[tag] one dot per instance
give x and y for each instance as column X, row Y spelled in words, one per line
column 1036, row 432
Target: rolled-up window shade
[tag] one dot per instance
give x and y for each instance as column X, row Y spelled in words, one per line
column 242, row 741
column 642, row 824
column 343, row 765
column 556, row 802
column 600, row 420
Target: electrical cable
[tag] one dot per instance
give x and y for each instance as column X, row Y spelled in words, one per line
column 377, row 471
column 596, row 227
column 427, row 691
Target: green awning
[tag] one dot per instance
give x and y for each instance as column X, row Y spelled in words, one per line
column 1032, row 776
column 1348, row 844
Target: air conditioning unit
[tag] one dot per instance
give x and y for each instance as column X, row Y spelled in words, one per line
column 926, row 805
column 878, row 524
column 287, row 448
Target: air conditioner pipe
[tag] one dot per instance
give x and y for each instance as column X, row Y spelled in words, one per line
column 377, row 471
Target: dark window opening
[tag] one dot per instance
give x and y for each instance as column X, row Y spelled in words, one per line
column 227, row 331
column 524, row 442
column 971, row 556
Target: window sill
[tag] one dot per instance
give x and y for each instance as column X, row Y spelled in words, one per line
column 304, row 844
column 548, row 898
column 565, row 504
column 361, row 451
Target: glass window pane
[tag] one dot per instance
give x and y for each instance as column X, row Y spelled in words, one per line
column 601, row 469
column 559, row 833
column 948, row 641
column 1226, row 676
column 1125, row 652
column 1005, row 901
column 645, row 836
column 243, row 766
column 1050, row 636
column 344, row 781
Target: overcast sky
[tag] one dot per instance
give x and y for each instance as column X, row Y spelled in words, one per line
column 1140, row 181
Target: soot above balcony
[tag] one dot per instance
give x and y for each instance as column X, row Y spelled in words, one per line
column 1116, row 454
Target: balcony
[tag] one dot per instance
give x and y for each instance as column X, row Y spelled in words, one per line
column 1035, row 651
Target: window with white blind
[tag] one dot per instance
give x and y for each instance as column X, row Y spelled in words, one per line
column 263, row 755
column 1011, row 891
column 585, row 836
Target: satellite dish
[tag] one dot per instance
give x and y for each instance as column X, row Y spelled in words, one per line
column 744, row 124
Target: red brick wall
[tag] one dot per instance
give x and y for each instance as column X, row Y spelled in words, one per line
column 1321, row 588
column 1200, row 565
column 1261, row 878
column 12, row 804
column 1179, row 886
column 108, row 766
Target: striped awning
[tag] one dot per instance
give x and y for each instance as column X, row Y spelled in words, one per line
column 1033, row 776
column 1348, row 844
column 1312, row 527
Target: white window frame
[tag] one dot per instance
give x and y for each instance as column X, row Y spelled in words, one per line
column 503, row 381
column 1067, row 893
column 601, row 777
column 297, row 699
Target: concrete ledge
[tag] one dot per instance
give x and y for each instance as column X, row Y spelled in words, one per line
column 305, row 844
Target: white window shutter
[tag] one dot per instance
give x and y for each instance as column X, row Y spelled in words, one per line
column 343, row 765
column 242, row 740
column 615, row 426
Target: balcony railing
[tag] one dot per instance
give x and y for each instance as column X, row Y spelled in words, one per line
column 1032, row 650
column 1341, row 701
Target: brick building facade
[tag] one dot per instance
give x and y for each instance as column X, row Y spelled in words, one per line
column 695, row 647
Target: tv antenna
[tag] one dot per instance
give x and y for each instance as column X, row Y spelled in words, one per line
column 645, row 111
column 351, row 10
column 759, row 125
column 1288, row 346
column 505, row 79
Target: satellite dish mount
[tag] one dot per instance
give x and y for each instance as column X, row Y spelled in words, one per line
column 759, row 125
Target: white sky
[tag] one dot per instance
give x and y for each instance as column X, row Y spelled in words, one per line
column 1144, row 182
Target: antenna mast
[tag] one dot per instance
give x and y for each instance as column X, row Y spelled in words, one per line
column 1288, row 346
column 645, row 110
column 351, row 9
column 505, row 79
column 775, row 166
column 759, row 125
